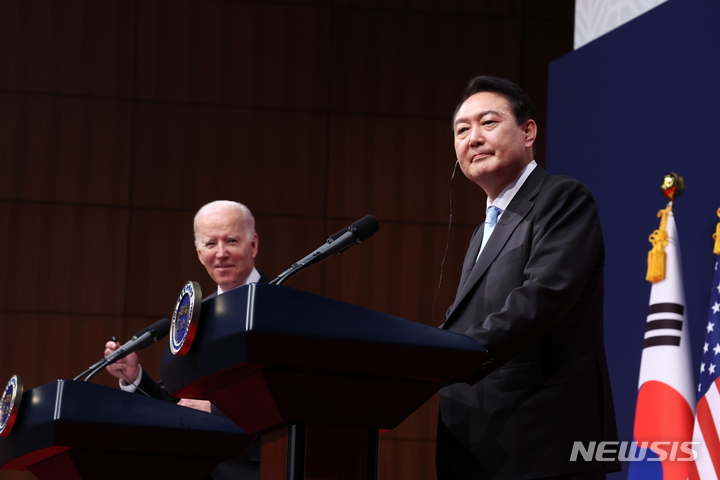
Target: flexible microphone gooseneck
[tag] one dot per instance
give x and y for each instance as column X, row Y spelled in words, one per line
column 337, row 243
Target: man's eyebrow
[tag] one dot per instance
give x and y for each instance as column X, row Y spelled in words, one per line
column 478, row 115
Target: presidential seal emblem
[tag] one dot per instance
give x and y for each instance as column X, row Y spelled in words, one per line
column 10, row 404
column 185, row 319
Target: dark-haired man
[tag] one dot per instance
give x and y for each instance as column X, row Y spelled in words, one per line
column 531, row 292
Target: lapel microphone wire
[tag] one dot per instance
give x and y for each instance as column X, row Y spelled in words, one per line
column 447, row 241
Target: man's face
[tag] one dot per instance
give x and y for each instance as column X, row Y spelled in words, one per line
column 225, row 250
column 491, row 147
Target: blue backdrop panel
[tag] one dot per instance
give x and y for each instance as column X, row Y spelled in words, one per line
column 624, row 110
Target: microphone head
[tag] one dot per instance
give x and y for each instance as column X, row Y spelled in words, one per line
column 364, row 228
column 160, row 329
column 337, row 235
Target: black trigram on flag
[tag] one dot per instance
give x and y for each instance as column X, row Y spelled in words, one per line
column 664, row 324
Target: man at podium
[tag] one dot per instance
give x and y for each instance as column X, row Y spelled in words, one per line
column 531, row 292
column 226, row 244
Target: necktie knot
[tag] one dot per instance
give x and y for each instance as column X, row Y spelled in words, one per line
column 491, row 215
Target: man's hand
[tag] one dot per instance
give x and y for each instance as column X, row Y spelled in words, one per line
column 126, row 369
column 202, row 405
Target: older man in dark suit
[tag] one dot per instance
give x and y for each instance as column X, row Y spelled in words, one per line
column 226, row 244
column 531, row 292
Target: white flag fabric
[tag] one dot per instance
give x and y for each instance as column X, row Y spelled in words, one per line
column 666, row 393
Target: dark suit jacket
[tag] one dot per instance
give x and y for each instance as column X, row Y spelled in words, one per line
column 534, row 299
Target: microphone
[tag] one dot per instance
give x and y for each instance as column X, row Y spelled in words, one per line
column 337, row 243
column 140, row 340
column 340, row 241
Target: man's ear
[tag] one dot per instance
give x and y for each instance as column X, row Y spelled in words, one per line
column 255, row 245
column 530, row 129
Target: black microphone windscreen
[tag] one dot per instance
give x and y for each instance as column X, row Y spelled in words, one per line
column 161, row 328
column 365, row 228
column 158, row 329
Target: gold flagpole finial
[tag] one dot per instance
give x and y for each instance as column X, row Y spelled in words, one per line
column 672, row 187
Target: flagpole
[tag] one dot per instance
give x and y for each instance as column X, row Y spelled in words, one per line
column 664, row 412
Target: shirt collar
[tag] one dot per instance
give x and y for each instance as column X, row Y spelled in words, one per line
column 254, row 277
column 505, row 197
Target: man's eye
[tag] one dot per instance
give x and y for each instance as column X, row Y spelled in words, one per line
column 461, row 130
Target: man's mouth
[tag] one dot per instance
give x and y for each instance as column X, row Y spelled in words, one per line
column 481, row 155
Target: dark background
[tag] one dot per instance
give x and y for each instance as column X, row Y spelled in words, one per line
column 120, row 118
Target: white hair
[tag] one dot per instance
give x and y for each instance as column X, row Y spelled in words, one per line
column 247, row 217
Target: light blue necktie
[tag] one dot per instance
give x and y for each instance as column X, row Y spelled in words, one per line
column 491, row 217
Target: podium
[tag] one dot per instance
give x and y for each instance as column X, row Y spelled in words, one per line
column 316, row 376
column 68, row 430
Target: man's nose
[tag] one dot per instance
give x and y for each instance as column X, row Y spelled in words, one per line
column 222, row 250
column 476, row 137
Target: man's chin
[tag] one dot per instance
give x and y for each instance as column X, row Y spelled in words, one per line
column 225, row 279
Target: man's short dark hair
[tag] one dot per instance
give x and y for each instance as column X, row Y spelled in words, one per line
column 519, row 101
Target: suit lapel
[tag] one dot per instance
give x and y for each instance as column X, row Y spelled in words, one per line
column 518, row 209
column 471, row 255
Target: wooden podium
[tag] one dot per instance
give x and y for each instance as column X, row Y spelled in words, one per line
column 71, row 430
column 315, row 376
